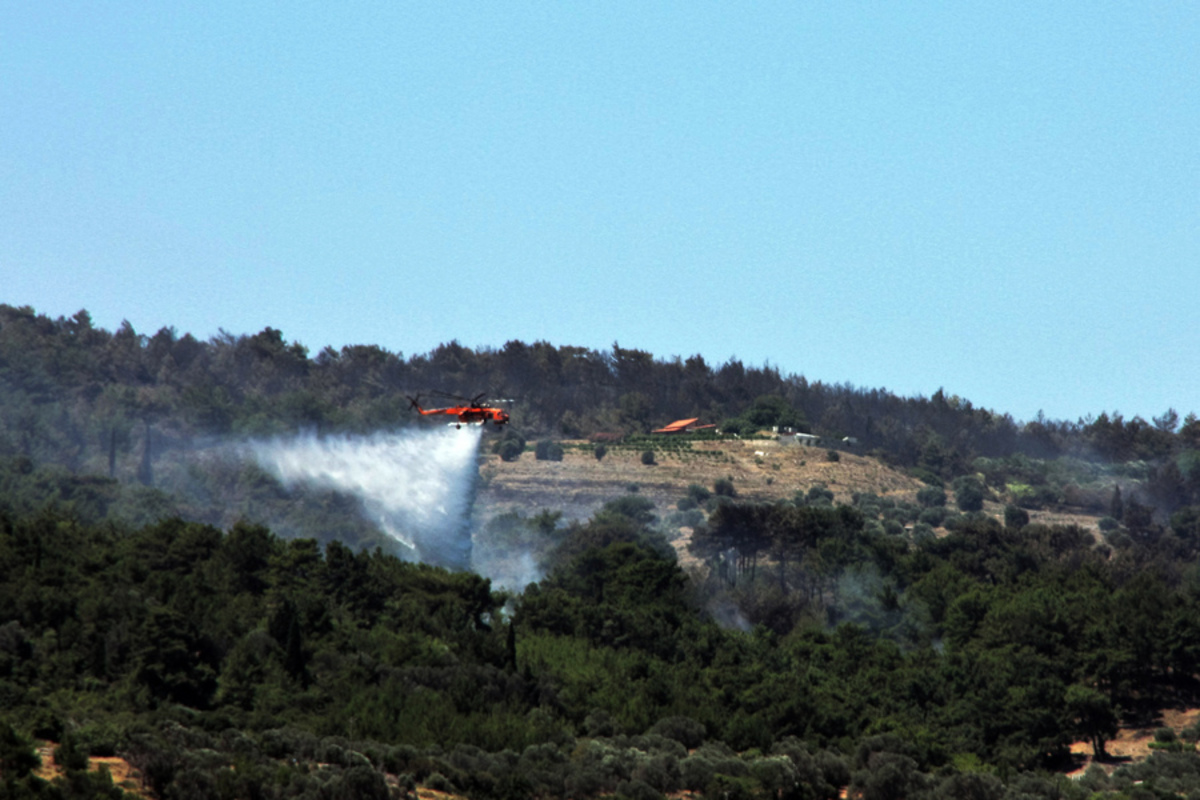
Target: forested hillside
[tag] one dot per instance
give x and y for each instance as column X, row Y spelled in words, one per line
column 886, row 648
column 83, row 397
column 81, row 401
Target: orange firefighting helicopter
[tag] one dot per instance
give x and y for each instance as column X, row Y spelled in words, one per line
column 472, row 412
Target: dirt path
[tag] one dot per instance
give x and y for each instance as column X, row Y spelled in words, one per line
column 124, row 776
column 1131, row 744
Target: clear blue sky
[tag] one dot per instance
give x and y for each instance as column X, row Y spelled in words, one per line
column 1002, row 199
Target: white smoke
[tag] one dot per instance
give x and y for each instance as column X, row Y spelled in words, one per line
column 511, row 567
column 416, row 485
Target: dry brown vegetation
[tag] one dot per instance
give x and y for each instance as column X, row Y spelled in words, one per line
column 124, row 776
column 579, row 484
column 1131, row 744
column 762, row 470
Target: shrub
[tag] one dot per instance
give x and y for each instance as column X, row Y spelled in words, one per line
column 648, row 457
column 632, row 506
column 833, row 455
column 102, row 738
column 289, row 743
column 925, row 476
column 869, row 510
column 439, row 783
column 922, row 533
column 360, row 783
column 637, row 790
column 695, row 772
column 70, row 756
column 888, row 774
column 330, row 752
column 547, row 450
column 684, row 730
column 660, row 772
column 510, row 446
column 974, row 785
column 1108, row 524
column 968, row 494
column 776, row 774
column 726, row 787
column 44, row 724
column 1095, row 779
column 600, row 723
column 744, row 731
column 690, row 519
column 723, row 487
column 736, row 427
column 1164, row 735
column 1186, row 521
column 600, row 451
column 819, row 496
column 585, row 780
column 833, row 767
column 1015, row 517
column 933, row 516
column 931, row 496
column 1119, row 539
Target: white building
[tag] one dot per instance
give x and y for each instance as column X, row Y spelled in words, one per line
column 802, row 439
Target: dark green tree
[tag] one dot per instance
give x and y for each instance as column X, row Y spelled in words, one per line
column 1015, row 516
column 1116, row 506
column 1093, row 716
column 510, row 445
column 18, row 757
column 548, row 450
column 968, row 493
column 931, row 496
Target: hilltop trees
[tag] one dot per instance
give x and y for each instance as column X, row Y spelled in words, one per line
column 767, row 411
column 125, row 405
column 89, row 399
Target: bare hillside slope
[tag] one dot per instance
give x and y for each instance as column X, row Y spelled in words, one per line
column 760, row 469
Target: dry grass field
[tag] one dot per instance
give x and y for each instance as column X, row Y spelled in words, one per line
column 761, row 470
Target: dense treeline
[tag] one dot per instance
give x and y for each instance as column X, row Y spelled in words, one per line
column 236, row 660
column 85, row 398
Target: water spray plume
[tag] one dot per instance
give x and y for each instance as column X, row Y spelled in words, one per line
column 416, row 485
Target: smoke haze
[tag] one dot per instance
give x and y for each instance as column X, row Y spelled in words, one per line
column 416, row 485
